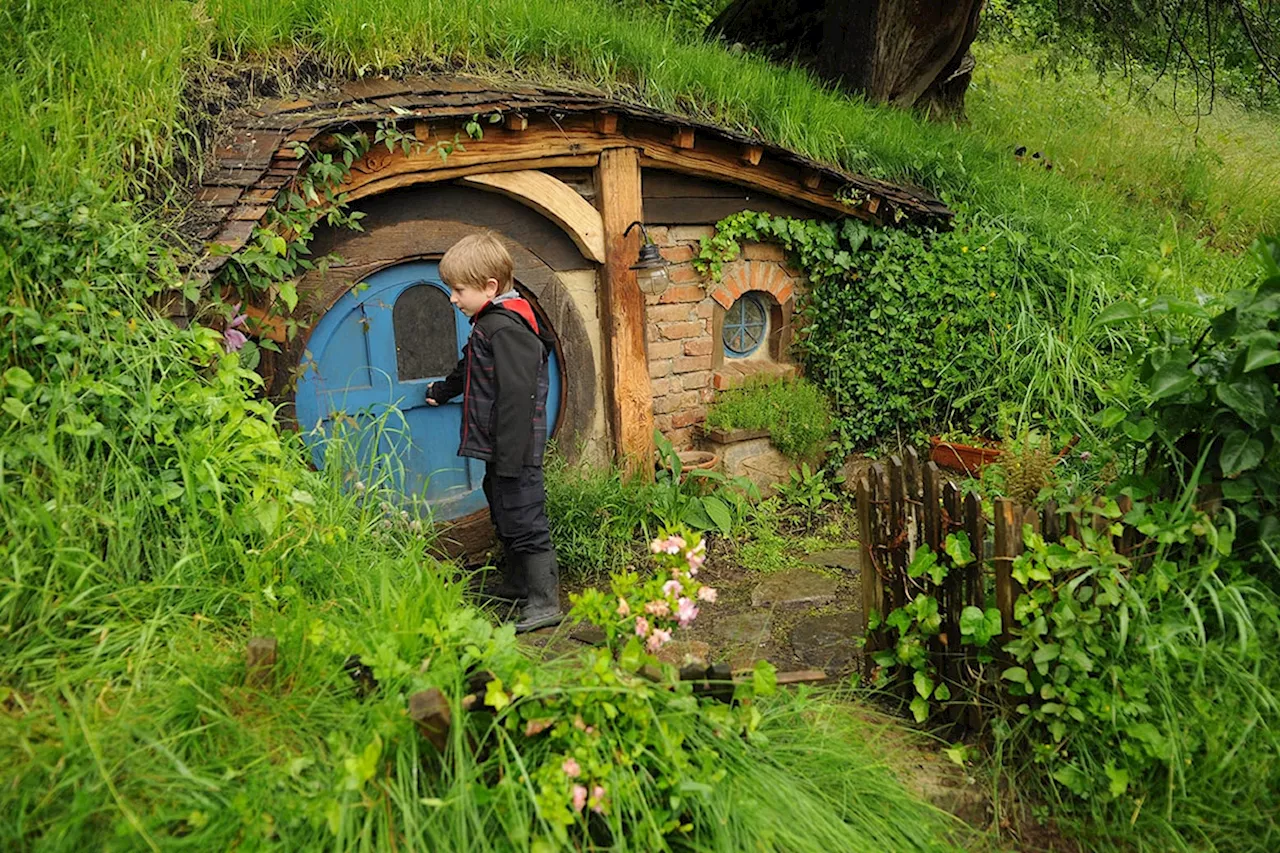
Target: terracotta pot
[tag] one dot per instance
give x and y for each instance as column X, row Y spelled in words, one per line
column 698, row 459
column 966, row 458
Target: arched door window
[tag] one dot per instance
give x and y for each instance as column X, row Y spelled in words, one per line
column 426, row 333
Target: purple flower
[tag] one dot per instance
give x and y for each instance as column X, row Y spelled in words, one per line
column 232, row 338
column 1085, row 456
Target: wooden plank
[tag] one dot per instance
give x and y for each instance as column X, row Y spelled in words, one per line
column 623, row 313
column 750, row 155
column 870, row 579
column 976, row 528
column 682, row 137
column 1008, row 545
column 260, row 661
column 898, row 533
column 1128, row 536
column 429, row 710
column 515, row 121
column 383, row 182
column 1051, row 526
column 555, row 200
column 931, row 500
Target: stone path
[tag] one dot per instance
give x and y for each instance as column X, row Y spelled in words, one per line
column 802, row 618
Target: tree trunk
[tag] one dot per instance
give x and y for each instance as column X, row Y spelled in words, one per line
column 910, row 53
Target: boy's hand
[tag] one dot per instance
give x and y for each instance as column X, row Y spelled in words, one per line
column 431, row 389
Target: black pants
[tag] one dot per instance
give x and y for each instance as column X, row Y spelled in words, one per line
column 517, row 506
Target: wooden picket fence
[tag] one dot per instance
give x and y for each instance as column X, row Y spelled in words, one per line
column 902, row 505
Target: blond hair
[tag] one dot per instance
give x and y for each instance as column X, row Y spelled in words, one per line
column 474, row 260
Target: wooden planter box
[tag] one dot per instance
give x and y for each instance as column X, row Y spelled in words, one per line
column 966, row 458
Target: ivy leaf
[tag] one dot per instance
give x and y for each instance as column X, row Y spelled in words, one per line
column 1248, row 397
column 494, row 696
column 1118, row 312
column 919, row 709
column 1016, row 674
column 1111, row 416
column 923, row 683
column 957, row 548
column 1261, row 355
column 1240, row 452
column 1171, row 379
column 1141, row 430
column 764, row 678
column 942, row 692
column 289, row 294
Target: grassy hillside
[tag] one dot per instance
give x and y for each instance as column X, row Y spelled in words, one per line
column 155, row 518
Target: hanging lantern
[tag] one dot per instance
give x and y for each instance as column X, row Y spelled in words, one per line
column 650, row 267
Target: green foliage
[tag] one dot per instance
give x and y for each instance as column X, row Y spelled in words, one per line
column 795, row 412
column 1202, row 404
column 1122, row 669
column 919, row 622
column 808, row 489
column 907, row 330
column 700, row 499
column 597, row 517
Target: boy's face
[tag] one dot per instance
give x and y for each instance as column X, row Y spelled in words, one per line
column 469, row 300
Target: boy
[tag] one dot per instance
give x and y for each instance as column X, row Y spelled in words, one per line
column 503, row 379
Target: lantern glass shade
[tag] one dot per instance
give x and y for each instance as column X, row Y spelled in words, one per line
column 651, row 270
column 652, row 280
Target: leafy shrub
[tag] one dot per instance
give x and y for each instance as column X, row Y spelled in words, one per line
column 794, row 411
column 1202, row 405
column 907, row 330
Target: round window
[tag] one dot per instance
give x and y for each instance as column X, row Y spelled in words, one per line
column 745, row 325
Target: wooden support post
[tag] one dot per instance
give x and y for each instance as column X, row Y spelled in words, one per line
column 1008, row 546
column 260, row 661
column 515, row 121
column 623, row 312
column 976, row 527
column 1051, row 527
column 898, row 534
column 872, row 589
column 750, row 155
column 429, row 710
column 682, row 137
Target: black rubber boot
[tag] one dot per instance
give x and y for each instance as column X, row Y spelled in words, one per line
column 542, row 610
column 513, row 588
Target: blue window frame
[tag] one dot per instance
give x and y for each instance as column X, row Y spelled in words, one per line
column 745, row 326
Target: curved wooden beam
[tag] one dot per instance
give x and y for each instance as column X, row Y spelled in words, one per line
column 555, row 200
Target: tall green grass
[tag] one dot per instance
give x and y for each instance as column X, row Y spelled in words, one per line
column 1215, row 176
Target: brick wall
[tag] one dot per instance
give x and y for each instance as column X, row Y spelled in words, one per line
column 685, row 353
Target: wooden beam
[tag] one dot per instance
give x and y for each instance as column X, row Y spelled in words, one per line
column 606, row 123
column 682, row 137
column 751, row 155
column 555, row 200
column 515, row 121
column 623, row 312
column 433, row 176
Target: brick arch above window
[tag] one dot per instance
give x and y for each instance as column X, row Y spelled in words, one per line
column 760, row 275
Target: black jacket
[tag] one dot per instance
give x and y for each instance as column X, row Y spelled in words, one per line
column 503, row 378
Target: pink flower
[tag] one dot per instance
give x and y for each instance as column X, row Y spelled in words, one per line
column 579, row 797
column 657, row 608
column 232, row 338
column 686, row 612
column 535, row 727
column 597, row 799
column 571, row 768
column 708, row 594
column 642, row 627
column 659, row 638
column 700, row 547
column 671, row 588
column 657, row 546
column 624, row 609
column 695, row 561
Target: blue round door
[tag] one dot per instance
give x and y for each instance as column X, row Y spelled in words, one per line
column 367, row 367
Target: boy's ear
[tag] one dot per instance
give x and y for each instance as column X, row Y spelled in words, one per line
column 492, row 284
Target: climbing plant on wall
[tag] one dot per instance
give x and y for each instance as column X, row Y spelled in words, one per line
column 910, row 329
